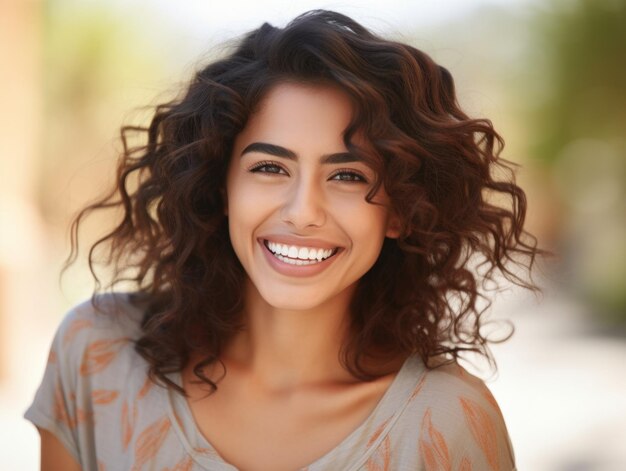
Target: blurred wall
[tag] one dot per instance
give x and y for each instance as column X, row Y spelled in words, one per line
column 21, row 234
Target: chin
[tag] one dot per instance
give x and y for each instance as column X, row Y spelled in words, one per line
column 291, row 304
column 292, row 300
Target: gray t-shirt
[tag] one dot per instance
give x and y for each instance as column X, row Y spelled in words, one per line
column 96, row 398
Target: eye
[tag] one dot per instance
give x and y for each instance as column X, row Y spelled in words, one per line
column 349, row 176
column 267, row 167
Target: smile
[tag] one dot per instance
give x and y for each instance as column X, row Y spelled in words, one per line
column 297, row 255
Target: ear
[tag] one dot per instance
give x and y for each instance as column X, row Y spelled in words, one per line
column 393, row 226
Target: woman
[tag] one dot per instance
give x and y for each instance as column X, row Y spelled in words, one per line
column 299, row 227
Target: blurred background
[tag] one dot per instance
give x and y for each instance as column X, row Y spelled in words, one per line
column 551, row 75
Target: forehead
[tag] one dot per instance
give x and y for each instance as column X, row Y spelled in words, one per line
column 298, row 110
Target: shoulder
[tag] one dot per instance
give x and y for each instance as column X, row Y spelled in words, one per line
column 456, row 421
column 96, row 361
column 108, row 316
column 105, row 314
column 450, row 385
column 94, row 333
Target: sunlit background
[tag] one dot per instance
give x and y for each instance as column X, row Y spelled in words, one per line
column 551, row 75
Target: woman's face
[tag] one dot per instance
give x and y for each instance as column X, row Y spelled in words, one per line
column 298, row 219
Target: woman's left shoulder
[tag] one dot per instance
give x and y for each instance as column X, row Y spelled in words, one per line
column 456, row 422
column 450, row 384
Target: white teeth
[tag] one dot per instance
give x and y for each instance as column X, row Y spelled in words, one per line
column 306, row 255
column 294, row 262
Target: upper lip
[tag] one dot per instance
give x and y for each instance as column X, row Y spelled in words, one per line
column 299, row 241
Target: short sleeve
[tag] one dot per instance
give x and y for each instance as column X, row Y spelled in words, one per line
column 54, row 407
column 96, row 396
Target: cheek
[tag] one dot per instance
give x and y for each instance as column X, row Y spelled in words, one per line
column 249, row 207
column 366, row 218
column 367, row 226
column 241, row 198
column 239, row 211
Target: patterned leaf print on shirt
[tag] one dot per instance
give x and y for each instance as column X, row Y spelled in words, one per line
column 52, row 357
column 76, row 326
column 104, row 396
column 183, row 465
column 145, row 388
column 206, row 452
column 99, row 354
column 83, row 416
column 490, row 399
column 418, row 388
column 128, row 424
column 149, row 442
column 64, row 416
column 483, row 430
column 377, row 433
column 381, row 458
column 179, row 421
column 466, row 464
column 433, row 446
column 61, row 413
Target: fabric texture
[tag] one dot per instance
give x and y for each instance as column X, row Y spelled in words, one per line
column 96, row 398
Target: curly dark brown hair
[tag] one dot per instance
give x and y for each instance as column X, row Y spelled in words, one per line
column 461, row 224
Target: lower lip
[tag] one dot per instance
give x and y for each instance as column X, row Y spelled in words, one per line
column 295, row 270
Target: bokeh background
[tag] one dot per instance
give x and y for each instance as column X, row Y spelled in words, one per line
column 551, row 75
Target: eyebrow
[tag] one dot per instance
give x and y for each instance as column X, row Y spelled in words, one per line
column 279, row 151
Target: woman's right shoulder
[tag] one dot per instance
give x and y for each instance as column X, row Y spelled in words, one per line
column 103, row 316
column 92, row 331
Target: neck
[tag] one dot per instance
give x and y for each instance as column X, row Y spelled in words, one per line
column 285, row 349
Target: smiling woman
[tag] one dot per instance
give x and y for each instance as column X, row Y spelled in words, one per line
column 300, row 237
column 305, row 200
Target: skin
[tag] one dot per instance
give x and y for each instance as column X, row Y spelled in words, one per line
column 284, row 379
column 54, row 455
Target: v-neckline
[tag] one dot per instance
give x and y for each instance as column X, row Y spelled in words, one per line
column 352, row 448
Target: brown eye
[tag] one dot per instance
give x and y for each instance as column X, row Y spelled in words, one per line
column 267, row 167
column 349, row 176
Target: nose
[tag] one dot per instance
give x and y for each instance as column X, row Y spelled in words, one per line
column 304, row 204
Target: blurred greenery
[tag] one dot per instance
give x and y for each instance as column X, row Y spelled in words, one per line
column 578, row 124
column 583, row 49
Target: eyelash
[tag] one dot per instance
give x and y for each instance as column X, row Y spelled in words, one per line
column 352, row 174
column 360, row 178
column 256, row 168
